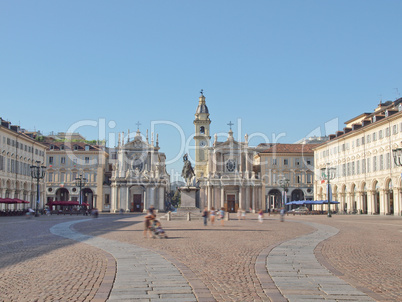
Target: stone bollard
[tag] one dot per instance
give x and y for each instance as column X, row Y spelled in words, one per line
column 188, row 216
column 169, row 216
column 227, row 218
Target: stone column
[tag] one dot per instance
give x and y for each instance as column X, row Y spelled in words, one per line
column 253, row 205
column 397, row 202
column 128, row 204
column 247, row 165
column 240, row 197
column 370, row 201
column 215, row 163
column 222, row 197
column 247, row 206
column 359, row 201
column 349, row 201
column 113, row 198
column 161, row 198
column 146, row 205
column 209, row 197
column 383, row 197
column 152, row 197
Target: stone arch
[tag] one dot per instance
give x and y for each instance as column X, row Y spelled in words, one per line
column 297, row 194
column 87, row 197
column 62, row 194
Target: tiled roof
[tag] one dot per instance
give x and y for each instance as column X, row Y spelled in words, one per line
column 291, row 148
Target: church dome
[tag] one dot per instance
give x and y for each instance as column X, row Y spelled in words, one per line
column 202, row 108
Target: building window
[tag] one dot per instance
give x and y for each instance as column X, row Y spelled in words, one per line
column 87, row 148
column 309, row 178
column 358, row 142
column 353, row 168
column 87, row 160
column 62, row 160
column 374, row 136
column 62, row 147
column 62, row 177
column 298, row 179
column 380, row 136
column 202, row 130
column 394, row 129
column 274, row 162
column 50, row 177
column 387, row 132
column 344, row 170
column 357, row 167
column 50, row 160
column 297, row 162
column 388, row 161
column 368, row 139
column 285, row 162
column 374, row 163
column 107, row 199
column 381, row 162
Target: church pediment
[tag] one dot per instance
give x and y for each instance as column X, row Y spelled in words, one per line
column 137, row 145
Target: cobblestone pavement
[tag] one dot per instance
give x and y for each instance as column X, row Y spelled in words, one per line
column 300, row 277
column 222, row 263
column 140, row 274
column 223, row 258
column 38, row 266
column 366, row 253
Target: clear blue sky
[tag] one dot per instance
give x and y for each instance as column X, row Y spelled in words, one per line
column 282, row 67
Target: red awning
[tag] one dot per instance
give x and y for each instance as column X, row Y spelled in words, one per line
column 12, row 200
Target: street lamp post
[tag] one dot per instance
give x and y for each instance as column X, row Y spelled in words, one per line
column 80, row 182
column 329, row 174
column 284, row 183
column 37, row 172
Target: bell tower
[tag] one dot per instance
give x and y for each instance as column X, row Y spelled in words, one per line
column 201, row 137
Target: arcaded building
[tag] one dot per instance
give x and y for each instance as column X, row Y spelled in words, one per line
column 366, row 178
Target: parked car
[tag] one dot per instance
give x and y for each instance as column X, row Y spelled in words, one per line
column 299, row 210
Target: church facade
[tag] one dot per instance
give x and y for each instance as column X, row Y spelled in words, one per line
column 225, row 169
column 139, row 178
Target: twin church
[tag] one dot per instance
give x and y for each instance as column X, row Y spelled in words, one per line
column 224, row 171
column 230, row 174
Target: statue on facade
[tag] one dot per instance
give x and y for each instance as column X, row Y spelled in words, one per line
column 187, row 172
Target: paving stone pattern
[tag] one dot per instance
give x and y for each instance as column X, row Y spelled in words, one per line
column 298, row 275
column 221, row 258
column 216, row 263
column 38, row 266
column 142, row 275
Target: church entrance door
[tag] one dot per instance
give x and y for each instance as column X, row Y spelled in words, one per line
column 231, row 199
column 137, row 203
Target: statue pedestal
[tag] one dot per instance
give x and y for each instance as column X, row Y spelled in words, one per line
column 188, row 200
